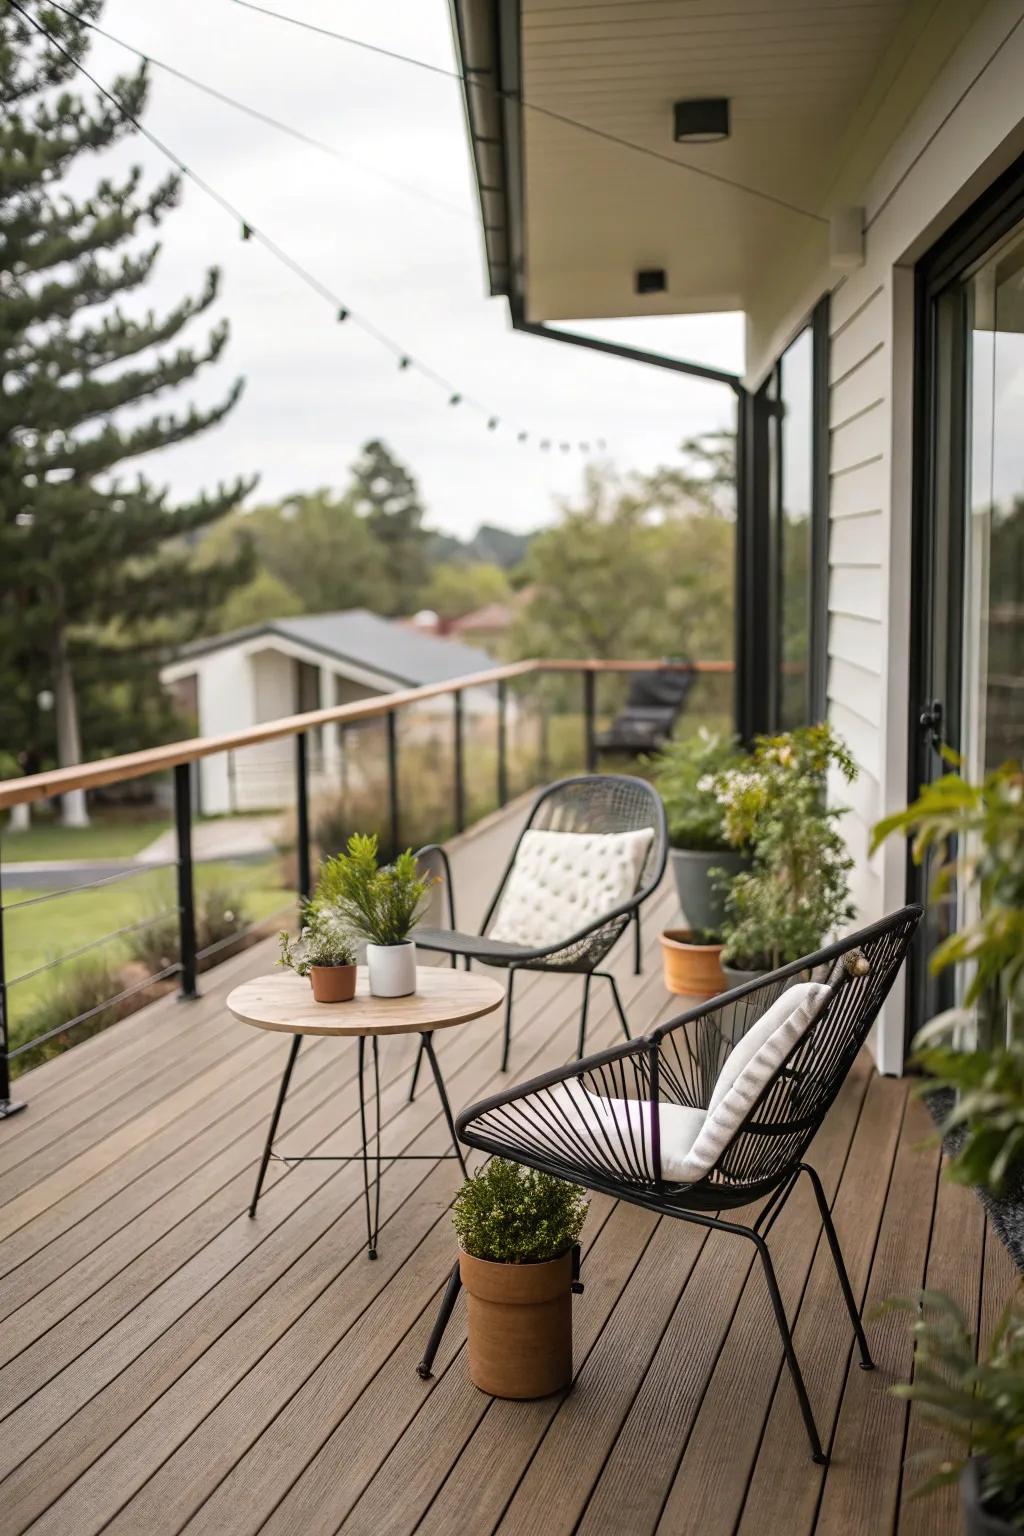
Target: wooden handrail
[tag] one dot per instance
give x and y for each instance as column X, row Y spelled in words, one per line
column 135, row 765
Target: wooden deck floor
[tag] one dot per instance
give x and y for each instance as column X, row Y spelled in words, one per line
column 168, row 1365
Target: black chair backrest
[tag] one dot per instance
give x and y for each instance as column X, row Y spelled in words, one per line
column 792, row 1105
column 666, row 690
column 599, row 803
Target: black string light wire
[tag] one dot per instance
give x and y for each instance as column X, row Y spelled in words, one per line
column 475, row 79
column 249, row 231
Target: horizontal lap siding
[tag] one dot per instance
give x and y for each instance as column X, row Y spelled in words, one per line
column 860, row 362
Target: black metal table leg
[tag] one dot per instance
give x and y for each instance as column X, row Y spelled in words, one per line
column 372, row 1208
column 275, row 1117
column 428, row 1046
column 448, row 1300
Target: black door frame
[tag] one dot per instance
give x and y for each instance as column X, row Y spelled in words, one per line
column 938, row 276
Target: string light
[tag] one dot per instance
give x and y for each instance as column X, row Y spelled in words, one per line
column 249, row 230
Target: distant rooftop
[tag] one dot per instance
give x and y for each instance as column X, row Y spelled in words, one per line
column 409, row 656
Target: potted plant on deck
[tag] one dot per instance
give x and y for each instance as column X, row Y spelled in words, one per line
column 703, row 861
column 979, row 1401
column 381, row 904
column 325, row 953
column 796, row 892
column 518, row 1232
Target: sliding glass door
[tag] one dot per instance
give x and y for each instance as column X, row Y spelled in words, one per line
column 970, row 516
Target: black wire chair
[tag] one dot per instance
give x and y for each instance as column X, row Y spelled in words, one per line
column 559, row 1122
column 591, row 803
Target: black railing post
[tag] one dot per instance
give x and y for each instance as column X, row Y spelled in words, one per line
column 8, row 1106
column 186, row 881
column 304, row 867
column 589, row 712
column 459, row 759
column 502, row 742
column 393, row 822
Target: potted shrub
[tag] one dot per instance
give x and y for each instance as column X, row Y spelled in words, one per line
column 796, row 891
column 517, row 1232
column 325, row 953
column 973, row 1056
column 703, row 860
column 381, row 904
column 979, row 1402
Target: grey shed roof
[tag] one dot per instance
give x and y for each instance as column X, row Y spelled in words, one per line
column 408, row 656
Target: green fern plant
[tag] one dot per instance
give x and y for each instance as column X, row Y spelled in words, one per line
column 379, row 903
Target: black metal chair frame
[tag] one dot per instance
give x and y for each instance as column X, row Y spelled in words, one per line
column 678, row 1063
column 582, row 952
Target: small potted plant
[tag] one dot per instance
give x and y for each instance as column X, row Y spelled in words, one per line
column 703, row 860
column 796, row 892
column 979, row 1402
column 381, row 904
column 518, row 1230
column 325, row 953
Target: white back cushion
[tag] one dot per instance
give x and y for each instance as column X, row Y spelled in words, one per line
column 617, row 1132
column 563, row 881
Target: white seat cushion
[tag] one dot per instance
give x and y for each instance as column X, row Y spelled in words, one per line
column 563, row 881
column 617, row 1132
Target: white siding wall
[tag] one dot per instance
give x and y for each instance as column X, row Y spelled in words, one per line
column 967, row 129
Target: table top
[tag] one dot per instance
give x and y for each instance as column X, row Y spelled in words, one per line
column 443, row 997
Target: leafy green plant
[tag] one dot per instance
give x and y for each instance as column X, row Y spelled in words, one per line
column 685, row 774
column 515, row 1215
column 979, row 1402
column 797, row 889
column 380, row 903
column 323, row 941
column 975, row 833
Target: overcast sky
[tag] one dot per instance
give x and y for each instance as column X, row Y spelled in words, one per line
column 393, row 228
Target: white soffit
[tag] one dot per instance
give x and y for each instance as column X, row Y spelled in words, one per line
column 794, row 72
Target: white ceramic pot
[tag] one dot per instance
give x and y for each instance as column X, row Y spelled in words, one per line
column 392, row 969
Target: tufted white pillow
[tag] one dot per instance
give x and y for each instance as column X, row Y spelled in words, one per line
column 578, row 1122
column 563, row 881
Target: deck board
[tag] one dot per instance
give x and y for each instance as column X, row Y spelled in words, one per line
column 168, row 1365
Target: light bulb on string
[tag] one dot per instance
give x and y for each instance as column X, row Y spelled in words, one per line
column 454, row 399
column 403, row 362
column 492, row 423
column 342, row 315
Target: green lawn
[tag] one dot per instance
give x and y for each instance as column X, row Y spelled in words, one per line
column 110, row 838
column 49, row 929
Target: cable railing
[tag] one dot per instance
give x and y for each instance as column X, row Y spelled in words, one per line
column 508, row 729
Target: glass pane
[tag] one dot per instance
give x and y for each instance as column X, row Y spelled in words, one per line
column 794, row 514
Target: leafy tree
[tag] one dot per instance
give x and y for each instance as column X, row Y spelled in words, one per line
column 86, row 556
column 265, row 597
column 316, row 546
column 385, row 494
column 458, row 589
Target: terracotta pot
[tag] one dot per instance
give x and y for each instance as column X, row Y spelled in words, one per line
column 693, row 970
column 520, row 1325
column 333, row 983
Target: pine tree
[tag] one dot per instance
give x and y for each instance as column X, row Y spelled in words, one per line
column 386, row 494
column 96, row 570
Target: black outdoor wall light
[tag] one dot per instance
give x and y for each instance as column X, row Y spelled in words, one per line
column 702, row 121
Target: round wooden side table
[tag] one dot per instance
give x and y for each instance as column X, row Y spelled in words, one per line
column 284, row 1002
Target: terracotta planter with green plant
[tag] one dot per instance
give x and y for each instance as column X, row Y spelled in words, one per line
column 973, row 1059
column 381, row 904
column 325, row 953
column 517, row 1229
column 702, row 858
column 796, row 892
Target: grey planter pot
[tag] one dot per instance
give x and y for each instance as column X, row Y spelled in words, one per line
column 702, row 902
column 738, row 978
column 977, row 1520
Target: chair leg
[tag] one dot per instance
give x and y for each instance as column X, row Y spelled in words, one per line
column 617, row 1000
column 866, row 1362
column 448, row 1300
column 282, row 1093
column 817, row 1454
column 581, row 1042
column 637, row 945
column 508, row 1019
